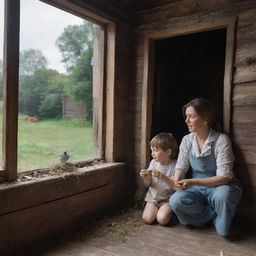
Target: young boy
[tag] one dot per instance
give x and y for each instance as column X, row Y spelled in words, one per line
column 157, row 179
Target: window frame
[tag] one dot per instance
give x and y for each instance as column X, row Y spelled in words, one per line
column 106, row 61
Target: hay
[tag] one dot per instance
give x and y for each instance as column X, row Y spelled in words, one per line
column 58, row 169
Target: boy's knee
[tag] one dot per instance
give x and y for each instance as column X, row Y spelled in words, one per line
column 148, row 219
column 163, row 220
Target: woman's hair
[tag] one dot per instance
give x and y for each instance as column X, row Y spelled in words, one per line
column 165, row 140
column 205, row 109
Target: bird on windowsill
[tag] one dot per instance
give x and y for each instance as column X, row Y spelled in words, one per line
column 64, row 157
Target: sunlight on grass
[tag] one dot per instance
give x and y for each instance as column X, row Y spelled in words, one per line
column 40, row 143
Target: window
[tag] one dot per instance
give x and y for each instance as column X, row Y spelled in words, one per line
column 55, row 86
column 14, row 111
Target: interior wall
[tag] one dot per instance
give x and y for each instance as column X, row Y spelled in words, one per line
column 39, row 209
column 187, row 67
column 170, row 17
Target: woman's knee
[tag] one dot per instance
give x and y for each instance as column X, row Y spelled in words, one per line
column 178, row 199
column 225, row 196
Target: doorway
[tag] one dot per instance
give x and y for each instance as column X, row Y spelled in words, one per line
column 186, row 67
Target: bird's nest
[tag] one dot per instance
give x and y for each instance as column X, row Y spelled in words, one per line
column 60, row 168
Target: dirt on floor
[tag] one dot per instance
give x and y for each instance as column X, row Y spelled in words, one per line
column 113, row 227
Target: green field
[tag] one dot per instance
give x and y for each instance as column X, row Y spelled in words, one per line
column 40, row 143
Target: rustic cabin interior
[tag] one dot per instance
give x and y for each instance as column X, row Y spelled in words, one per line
column 151, row 57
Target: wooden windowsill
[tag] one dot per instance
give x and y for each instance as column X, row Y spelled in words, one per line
column 20, row 195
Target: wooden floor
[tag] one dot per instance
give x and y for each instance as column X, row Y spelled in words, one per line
column 125, row 235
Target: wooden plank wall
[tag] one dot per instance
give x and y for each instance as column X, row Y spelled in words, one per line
column 48, row 206
column 173, row 15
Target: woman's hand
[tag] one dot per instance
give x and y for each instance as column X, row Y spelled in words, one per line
column 184, row 184
column 179, row 175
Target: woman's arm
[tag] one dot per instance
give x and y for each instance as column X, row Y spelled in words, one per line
column 210, row 182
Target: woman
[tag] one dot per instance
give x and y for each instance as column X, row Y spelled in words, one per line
column 212, row 193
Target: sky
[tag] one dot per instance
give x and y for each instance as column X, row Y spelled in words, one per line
column 41, row 24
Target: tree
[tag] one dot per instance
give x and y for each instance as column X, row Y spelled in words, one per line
column 74, row 41
column 75, row 44
column 41, row 94
column 31, row 60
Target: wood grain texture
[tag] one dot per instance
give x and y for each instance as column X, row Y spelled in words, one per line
column 60, row 203
column 245, row 60
column 34, row 223
column 177, row 18
column 244, row 94
column 10, row 90
column 43, row 190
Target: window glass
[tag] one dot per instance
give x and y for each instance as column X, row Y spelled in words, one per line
column 1, row 74
column 55, row 87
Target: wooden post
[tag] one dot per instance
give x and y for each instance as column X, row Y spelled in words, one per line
column 147, row 94
column 98, row 81
column 110, row 92
column 11, row 82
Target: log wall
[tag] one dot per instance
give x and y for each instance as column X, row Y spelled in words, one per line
column 174, row 15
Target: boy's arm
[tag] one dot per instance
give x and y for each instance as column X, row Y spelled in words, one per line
column 168, row 180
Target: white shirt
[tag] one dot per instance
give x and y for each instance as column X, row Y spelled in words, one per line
column 223, row 152
column 159, row 190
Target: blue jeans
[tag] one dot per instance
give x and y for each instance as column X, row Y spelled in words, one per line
column 199, row 204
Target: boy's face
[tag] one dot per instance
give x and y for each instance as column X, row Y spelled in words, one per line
column 161, row 156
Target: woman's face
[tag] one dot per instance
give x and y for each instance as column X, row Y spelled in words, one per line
column 194, row 121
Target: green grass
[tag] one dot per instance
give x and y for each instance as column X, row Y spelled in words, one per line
column 40, row 143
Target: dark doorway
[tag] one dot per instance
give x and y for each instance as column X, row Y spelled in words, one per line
column 187, row 67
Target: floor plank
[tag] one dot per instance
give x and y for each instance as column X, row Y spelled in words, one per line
column 126, row 235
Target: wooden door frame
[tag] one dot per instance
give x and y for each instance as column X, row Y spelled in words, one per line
column 148, row 76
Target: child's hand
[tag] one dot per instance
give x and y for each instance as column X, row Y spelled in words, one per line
column 157, row 173
column 172, row 183
column 145, row 173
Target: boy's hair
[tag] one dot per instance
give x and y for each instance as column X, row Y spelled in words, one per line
column 165, row 140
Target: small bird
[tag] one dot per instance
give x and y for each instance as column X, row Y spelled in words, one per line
column 64, row 157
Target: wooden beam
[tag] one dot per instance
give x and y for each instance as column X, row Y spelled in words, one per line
column 11, row 84
column 110, row 92
column 99, row 46
column 98, row 12
column 228, row 75
column 147, row 95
